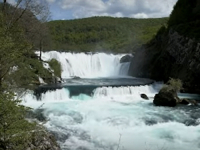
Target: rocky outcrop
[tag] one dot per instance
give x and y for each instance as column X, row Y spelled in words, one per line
column 126, row 58
column 169, row 55
column 166, row 97
column 42, row 140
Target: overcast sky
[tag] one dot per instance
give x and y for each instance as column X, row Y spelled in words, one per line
column 71, row 9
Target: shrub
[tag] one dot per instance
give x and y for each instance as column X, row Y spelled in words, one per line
column 14, row 129
column 176, row 84
column 56, row 66
column 172, row 84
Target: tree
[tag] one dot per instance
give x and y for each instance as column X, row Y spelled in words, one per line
column 32, row 16
column 17, row 39
column 15, row 131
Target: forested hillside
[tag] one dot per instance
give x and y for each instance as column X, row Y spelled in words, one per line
column 103, row 33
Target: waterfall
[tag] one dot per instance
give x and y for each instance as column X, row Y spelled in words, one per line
column 88, row 65
column 121, row 91
column 101, row 92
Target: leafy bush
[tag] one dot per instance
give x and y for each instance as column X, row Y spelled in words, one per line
column 176, row 84
column 56, row 66
column 173, row 84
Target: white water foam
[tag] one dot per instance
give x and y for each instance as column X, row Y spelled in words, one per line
column 117, row 120
column 88, row 65
column 123, row 91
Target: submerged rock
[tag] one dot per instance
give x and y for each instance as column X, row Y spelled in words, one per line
column 188, row 101
column 166, row 98
column 144, row 96
column 184, row 101
column 76, row 77
column 194, row 102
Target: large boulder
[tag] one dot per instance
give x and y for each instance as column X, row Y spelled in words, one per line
column 126, row 58
column 166, row 97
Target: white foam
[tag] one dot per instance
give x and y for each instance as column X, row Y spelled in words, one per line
column 97, row 122
column 103, row 120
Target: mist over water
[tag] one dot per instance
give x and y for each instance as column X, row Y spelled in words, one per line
column 113, row 118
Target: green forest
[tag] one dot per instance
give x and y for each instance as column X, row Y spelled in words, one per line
column 102, row 33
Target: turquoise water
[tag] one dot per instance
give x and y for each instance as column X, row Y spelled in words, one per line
column 116, row 118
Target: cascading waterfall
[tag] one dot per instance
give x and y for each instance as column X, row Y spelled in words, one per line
column 88, row 65
column 63, row 94
column 121, row 91
column 110, row 117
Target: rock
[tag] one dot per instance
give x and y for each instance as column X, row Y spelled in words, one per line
column 166, row 98
column 173, row 55
column 144, row 96
column 36, row 114
column 184, row 101
column 42, row 140
column 126, row 58
column 62, row 137
column 188, row 101
column 194, row 102
column 40, row 115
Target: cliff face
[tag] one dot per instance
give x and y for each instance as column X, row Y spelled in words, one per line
column 169, row 55
column 175, row 50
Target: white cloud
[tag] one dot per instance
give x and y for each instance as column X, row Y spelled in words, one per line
column 118, row 8
column 139, row 15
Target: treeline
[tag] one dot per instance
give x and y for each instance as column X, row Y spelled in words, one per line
column 102, row 33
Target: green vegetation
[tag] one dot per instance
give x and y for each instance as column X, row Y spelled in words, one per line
column 185, row 18
column 19, row 70
column 19, row 65
column 56, row 66
column 103, row 33
column 173, row 84
column 14, row 129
